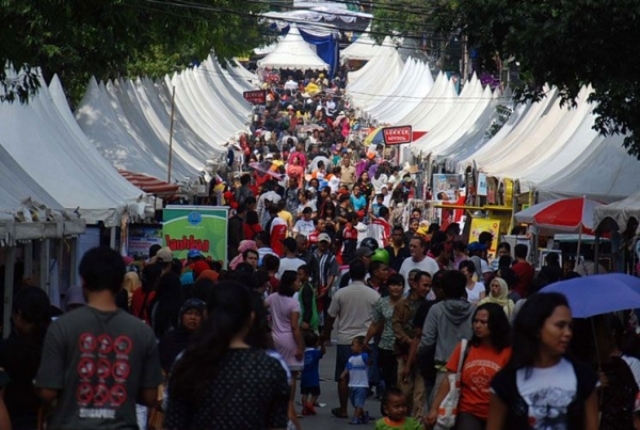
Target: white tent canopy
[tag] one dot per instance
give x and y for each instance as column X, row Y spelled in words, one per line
column 621, row 211
column 377, row 78
column 363, row 49
column 49, row 145
column 553, row 150
column 294, row 53
column 129, row 121
column 415, row 83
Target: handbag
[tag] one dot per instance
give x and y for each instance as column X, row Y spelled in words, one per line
column 448, row 410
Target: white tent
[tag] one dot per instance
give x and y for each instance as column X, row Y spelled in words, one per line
column 294, row 53
column 129, row 121
column 376, row 79
column 413, row 85
column 52, row 149
column 555, row 151
column 363, row 49
column 621, row 211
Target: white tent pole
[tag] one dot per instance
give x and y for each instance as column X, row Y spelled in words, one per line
column 28, row 260
column 73, row 262
column 579, row 244
column 44, row 265
column 584, row 198
column 9, row 261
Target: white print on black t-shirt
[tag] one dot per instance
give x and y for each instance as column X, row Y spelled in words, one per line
column 548, row 392
column 103, row 370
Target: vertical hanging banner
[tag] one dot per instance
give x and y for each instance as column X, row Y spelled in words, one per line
column 397, row 135
column 482, row 184
column 203, row 228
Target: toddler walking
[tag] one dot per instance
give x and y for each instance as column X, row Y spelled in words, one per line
column 356, row 371
column 310, row 378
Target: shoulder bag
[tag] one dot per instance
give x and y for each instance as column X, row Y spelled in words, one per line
column 448, row 410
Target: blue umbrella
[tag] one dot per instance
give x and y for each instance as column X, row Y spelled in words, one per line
column 599, row 294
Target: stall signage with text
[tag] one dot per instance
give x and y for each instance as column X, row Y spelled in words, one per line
column 258, row 97
column 397, row 135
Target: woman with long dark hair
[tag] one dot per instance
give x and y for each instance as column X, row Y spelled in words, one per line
column 542, row 386
column 166, row 304
column 487, row 352
column 20, row 355
column 221, row 382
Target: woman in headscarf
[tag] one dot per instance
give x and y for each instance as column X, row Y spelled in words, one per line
column 175, row 341
column 499, row 294
column 244, row 245
column 131, row 283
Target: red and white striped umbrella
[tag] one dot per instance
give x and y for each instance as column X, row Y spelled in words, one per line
column 571, row 215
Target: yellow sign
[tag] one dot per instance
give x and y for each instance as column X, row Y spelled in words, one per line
column 478, row 225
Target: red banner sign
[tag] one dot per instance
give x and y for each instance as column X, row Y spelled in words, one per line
column 258, row 97
column 397, row 135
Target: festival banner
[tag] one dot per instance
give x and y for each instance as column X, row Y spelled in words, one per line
column 478, row 225
column 256, row 97
column 196, row 227
column 397, row 135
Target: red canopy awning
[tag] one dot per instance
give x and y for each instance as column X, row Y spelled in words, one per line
column 149, row 184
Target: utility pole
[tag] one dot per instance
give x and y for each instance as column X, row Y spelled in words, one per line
column 173, row 108
column 465, row 59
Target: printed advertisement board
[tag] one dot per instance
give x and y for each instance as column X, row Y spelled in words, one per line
column 196, row 227
column 397, row 135
column 446, row 187
column 478, row 225
column 140, row 238
column 257, row 97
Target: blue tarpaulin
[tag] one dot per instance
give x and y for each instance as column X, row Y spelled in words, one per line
column 326, row 47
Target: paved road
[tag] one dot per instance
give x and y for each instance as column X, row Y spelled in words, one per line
column 324, row 420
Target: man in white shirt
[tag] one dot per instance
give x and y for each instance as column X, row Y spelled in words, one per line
column 290, row 261
column 418, row 260
column 305, row 225
column 352, row 306
column 291, row 85
column 330, row 106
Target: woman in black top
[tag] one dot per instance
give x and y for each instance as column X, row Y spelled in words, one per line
column 221, row 382
column 542, row 388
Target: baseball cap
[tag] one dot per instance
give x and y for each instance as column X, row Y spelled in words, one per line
column 290, row 243
column 324, row 237
column 476, row 246
column 364, row 251
column 194, row 253
column 164, row 255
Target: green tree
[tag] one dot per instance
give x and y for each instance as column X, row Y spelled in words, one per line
column 117, row 38
column 415, row 18
column 568, row 44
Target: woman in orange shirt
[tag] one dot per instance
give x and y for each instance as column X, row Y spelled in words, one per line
column 487, row 352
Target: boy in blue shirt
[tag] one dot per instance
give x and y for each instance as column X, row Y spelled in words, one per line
column 310, row 378
column 357, row 373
